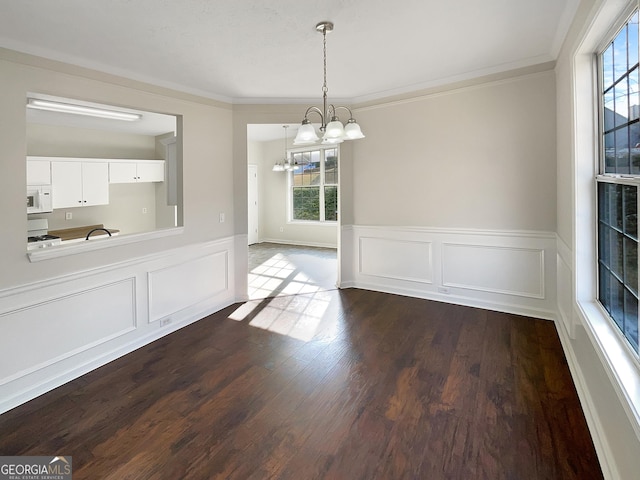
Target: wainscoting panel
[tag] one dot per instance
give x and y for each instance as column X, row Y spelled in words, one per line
column 179, row 286
column 47, row 332
column 494, row 269
column 55, row 330
column 510, row 271
column 396, row 259
column 565, row 288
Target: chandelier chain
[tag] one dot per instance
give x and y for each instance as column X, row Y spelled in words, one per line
column 324, row 52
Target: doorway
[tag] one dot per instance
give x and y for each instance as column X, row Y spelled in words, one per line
column 308, row 248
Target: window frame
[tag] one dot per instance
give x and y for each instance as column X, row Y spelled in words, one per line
column 601, row 175
column 321, row 186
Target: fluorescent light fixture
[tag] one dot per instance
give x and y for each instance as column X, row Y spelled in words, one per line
column 81, row 110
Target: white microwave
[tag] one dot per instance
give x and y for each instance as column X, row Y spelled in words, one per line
column 39, row 199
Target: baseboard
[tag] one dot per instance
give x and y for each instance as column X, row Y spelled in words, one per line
column 456, row 300
column 603, row 449
column 295, row 242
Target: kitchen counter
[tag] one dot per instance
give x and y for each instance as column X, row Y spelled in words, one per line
column 80, row 233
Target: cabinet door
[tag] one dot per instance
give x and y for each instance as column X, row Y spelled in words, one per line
column 66, row 183
column 122, row 172
column 95, row 183
column 150, row 171
column 38, row 172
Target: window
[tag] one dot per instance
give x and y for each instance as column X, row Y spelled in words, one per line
column 619, row 179
column 314, row 185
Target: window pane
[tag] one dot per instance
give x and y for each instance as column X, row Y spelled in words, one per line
column 630, row 209
column 331, row 167
column 314, row 168
column 331, row 203
column 623, row 161
column 631, row 265
column 610, row 152
column 633, row 94
column 603, row 245
column 604, row 284
column 306, row 203
column 631, row 319
column 302, row 175
column 621, row 94
column 615, row 250
column 609, row 110
column 614, row 202
column 620, row 54
column 603, row 202
column 633, row 40
column 607, row 67
column 617, row 302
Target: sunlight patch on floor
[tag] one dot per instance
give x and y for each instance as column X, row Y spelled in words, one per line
column 294, row 316
column 284, row 299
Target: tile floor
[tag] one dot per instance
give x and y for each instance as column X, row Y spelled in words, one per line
column 278, row 270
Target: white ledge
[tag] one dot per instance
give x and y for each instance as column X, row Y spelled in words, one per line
column 99, row 244
column 619, row 361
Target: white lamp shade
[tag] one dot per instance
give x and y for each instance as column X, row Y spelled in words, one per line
column 352, row 131
column 334, row 130
column 306, row 135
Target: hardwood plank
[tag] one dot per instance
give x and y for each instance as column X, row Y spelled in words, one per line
column 385, row 387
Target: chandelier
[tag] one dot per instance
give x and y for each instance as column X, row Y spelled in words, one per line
column 285, row 165
column 333, row 130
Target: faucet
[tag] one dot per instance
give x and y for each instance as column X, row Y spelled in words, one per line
column 95, row 230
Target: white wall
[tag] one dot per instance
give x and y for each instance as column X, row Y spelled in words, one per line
column 480, row 156
column 207, row 166
column 453, row 196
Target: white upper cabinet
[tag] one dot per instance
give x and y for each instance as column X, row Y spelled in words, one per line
column 38, row 172
column 134, row 171
column 79, row 184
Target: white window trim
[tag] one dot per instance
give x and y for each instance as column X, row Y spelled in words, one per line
column 321, row 222
column 621, row 366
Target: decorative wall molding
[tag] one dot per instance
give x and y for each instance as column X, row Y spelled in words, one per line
column 92, row 317
column 65, row 326
column 297, row 242
column 179, row 286
column 466, row 266
column 411, row 262
column 511, row 271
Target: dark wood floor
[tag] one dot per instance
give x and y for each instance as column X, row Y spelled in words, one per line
column 388, row 387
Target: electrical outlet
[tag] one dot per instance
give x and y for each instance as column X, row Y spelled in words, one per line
column 144, row 209
column 68, row 215
column 165, row 321
column 281, row 229
column 443, row 290
column 222, row 218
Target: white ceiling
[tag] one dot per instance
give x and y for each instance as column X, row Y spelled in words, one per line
column 245, row 51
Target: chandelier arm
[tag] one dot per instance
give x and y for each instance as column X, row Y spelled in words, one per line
column 345, row 108
column 319, row 112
